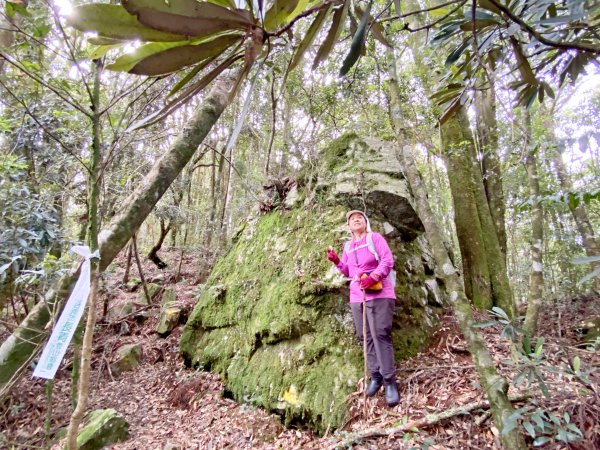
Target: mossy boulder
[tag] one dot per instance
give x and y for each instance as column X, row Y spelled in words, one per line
column 153, row 291
column 169, row 313
column 273, row 317
column 121, row 310
column 127, row 358
column 589, row 330
column 102, row 428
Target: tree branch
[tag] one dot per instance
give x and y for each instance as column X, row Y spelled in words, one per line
column 428, row 420
column 306, row 13
column 538, row 36
column 441, row 19
column 420, row 11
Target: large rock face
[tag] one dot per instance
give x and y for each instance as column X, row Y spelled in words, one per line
column 273, row 318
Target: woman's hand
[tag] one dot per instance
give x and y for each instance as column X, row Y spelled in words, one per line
column 332, row 256
column 367, row 282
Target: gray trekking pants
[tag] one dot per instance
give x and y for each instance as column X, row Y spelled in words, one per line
column 380, row 353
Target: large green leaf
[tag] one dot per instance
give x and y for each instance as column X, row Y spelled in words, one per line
column 126, row 62
column 357, row 43
column 376, row 28
column 189, row 26
column 523, row 63
column 487, row 4
column 99, row 40
column 102, row 50
column 113, row 21
column 310, row 36
column 173, row 59
column 187, row 8
column 225, row 3
column 480, row 24
column 337, row 24
column 189, row 76
column 281, row 12
column 203, row 20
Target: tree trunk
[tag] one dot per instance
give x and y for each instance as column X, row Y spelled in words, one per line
column 501, row 291
column 273, row 127
column 20, row 347
column 580, row 215
column 227, row 196
column 128, row 263
column 494, row 385
column 487, row 132
column 86, row 361
column 476, row 275
column 94, row 185
column 153, row 253
column 536, row 278
column 287, row 136
column 7, row 31
column 210, row 224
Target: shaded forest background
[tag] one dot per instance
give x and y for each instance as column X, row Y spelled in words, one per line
column 496, row 104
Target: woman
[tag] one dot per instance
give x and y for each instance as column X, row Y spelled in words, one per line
column 365, row 269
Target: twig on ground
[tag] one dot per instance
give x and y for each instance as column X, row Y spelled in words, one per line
column 429, row 419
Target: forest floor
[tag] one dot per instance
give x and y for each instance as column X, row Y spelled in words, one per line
column 169, row 406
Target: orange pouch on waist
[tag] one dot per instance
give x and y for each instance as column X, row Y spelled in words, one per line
column 376, row 287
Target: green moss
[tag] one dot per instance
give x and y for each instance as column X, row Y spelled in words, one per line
column 273, row 321
column 301, row 379
column 335, row 154
column 103, row 427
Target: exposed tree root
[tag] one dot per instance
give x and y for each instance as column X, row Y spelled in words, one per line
column 428, row 420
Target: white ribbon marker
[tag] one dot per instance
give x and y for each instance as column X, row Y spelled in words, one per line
column 69, row 319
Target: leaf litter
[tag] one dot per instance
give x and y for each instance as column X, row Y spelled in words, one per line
column 169, row 406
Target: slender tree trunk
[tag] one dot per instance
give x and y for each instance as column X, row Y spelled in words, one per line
column 287, row 135
column 94, row 186
column 153, row 253
column 128, row 263
column 210, row 227
column 273, row 127
column 501, row 291
column 494, row 385
column 476, row 275
column 20, row 347
column 487, row 132
column 140, row 270
column 536, row 278
column 7, row 30
column 580, row 215
column 187, row 227
column 227, row 197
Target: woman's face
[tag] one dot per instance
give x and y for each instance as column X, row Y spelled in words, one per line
column 357, row 223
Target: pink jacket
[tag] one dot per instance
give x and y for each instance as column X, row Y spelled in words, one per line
column 368, row 264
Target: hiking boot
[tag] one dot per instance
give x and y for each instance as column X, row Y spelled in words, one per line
column 392, row 397
column 373, row 387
